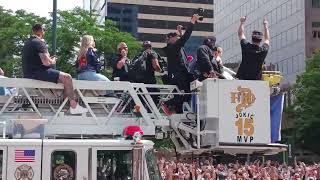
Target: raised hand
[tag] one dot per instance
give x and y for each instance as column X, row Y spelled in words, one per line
column 243, row 19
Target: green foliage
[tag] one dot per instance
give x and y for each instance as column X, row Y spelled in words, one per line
column 307, row 105
column 15, row 28
column 163, row 144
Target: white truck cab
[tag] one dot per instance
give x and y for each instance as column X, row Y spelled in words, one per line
column 80, row 159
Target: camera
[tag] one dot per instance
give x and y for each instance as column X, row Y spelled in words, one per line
column 200, row 11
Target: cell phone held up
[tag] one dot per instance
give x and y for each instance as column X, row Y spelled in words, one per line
column 200, row 12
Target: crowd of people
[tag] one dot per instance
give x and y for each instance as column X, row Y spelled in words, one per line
column 182, row 70
column 210, row 170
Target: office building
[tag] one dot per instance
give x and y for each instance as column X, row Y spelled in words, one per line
column 153, row 19
column 294, row 29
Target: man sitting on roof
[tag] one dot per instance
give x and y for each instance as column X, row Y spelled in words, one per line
column 36, row 64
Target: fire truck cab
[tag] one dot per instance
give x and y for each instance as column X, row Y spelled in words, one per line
column 79, row 159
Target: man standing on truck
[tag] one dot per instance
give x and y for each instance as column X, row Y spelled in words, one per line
column 177, row 62
column 253, row 55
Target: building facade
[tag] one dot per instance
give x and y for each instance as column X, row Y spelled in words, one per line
column 153, row 19
column 294, row 30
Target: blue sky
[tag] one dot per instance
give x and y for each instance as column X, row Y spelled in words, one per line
column 39, row 7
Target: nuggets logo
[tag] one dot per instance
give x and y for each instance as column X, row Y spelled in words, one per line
column 244, row 121
column 83, row 61
column 244, row 97
column 63, row 171
column 24, row 172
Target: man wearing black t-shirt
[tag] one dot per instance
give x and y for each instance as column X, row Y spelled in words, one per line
column 120, row 63
column 253, row 55
column 36, row 64
column 152, row 63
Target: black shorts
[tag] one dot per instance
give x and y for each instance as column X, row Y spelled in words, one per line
column 49, row 75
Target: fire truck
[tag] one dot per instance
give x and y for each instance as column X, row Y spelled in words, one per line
column 42, row 140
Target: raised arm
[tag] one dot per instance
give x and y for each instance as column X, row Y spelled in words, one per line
column 266, row 31
column 241, row 29
column 184, row 38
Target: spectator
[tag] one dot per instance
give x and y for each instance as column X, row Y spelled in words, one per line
column 234, row 171
column 88, row 63
column 152, row 66
column 36, row 64
column 1, row 73
column 208, row 60
column 253, row 55
column 152, row 62
column 120, row 63
column 177, row 62
column 3, row 90
column 217, row 53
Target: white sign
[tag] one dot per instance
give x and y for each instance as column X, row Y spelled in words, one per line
column 244, row 112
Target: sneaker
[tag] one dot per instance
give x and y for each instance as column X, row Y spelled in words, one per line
column 78, row 110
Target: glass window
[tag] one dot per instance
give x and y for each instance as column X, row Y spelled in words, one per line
column 127, row 11
column 294, row 6
column 300, row 31
column 302, row 62
column 289, row 8
column 295, row 64
column 284, row 11
column 274, row 16
column 279, row 14
column 1, row 163
column 295, row 33
column 299, row 5
column 63, row 165
column 279, row 41
column 315, row 24
column 284, row 39
column 114, row 164
column 152, row 166
column 318, row 34
column 316, row 3
column 290, row 68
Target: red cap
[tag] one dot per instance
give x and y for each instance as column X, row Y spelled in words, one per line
column 130, row 130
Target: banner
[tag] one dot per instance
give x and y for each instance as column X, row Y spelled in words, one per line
column 276, row 109
column 244, row 112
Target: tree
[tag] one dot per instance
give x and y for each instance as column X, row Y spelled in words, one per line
column 307, row 105
column 14, row 30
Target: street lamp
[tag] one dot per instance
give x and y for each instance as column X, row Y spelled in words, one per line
column 54, row 28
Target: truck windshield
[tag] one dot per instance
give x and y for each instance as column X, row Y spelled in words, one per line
column 153, row 170
column 114, row 164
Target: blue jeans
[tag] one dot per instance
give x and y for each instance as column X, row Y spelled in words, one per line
column 92, row 76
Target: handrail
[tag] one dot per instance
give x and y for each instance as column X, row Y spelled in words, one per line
column 3, row 123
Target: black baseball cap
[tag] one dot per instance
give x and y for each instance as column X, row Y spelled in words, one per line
column 257, row 35
column 210, row 42
column 172, row 34
column 146, row 44
column 37, row 27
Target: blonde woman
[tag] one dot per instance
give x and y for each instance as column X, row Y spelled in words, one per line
column 88, row 64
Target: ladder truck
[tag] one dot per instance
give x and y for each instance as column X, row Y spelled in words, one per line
column 42, row 140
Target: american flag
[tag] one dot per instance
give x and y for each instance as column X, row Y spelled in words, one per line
column 24, row 156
